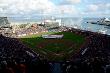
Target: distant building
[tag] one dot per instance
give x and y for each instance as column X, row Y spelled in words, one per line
column 4, row 22
column 52, row 24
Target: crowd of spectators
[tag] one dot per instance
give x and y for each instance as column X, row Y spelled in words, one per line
column 17, row 58
column 29, row 31
column 94, row 57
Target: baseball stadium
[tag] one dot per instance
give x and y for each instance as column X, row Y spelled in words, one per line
column 51, row 48
column 55, row 46
column 54, row 36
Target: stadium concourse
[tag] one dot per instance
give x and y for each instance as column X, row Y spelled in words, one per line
column 94, row 57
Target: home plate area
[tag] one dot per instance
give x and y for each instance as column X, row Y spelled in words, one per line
column 56, row 48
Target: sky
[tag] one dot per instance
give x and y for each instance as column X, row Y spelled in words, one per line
column 57, row 8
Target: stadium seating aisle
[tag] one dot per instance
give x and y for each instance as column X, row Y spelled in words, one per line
column 15, row 57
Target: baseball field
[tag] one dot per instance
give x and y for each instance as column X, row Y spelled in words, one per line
column 57, row 49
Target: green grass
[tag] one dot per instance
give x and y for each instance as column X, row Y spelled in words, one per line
column 56, row 51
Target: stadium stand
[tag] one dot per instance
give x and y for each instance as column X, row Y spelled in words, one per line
column 94, row 57
column 17, row 58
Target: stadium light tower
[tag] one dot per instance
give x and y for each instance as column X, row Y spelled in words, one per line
column 62, row 13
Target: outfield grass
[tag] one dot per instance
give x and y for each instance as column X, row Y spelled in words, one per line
column 59, row 50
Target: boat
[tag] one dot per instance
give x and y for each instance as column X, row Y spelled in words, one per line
column 103, row 21
column 102, row 31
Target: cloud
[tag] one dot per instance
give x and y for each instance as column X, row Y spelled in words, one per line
column 108, row 6
column 66, row 2
column 74, row 1
column 1, row 10
column 67, row 9
column 93, row 7
column 35, row 7
column 26, row 6
column 97, row 9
